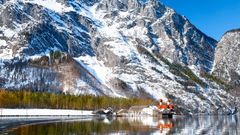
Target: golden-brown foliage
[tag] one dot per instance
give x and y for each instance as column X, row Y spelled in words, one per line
column 28, row 99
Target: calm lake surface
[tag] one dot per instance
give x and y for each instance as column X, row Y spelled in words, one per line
column 197, row 125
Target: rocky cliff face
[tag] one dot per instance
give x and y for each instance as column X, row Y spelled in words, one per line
column 158, row 28
column 227, row 56
column 227, row 63
column 127, row 48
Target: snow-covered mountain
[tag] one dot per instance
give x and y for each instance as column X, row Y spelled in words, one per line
column 227, row 62
column 118, row 48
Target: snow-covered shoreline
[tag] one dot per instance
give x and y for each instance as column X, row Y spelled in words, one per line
column 43, row 112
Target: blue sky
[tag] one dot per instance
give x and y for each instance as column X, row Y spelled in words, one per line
column 213, row 17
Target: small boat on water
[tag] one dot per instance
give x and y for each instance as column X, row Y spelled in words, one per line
column 108, row 111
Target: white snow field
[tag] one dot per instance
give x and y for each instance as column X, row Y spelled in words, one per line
column 43, row 112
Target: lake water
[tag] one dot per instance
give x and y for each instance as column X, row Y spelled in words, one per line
column 199, row 125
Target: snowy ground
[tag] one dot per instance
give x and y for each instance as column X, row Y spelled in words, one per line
column 43, row 112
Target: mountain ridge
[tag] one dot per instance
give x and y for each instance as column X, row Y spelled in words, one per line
column 131, row 49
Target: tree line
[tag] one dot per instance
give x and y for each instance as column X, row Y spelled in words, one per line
column 29, row 99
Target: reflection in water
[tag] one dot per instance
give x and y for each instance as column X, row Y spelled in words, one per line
column 225, row 125
column 219, row 125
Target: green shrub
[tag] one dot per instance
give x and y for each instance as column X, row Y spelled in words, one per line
column 193, row 77
column 216, row 80
column 57, row 54
column 51, row 54
column 143, row 50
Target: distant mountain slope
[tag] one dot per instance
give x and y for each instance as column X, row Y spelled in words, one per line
column 227, row 62
column 126, row 47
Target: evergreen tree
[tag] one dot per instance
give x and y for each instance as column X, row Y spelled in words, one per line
column 51, row 54
column 57, row 54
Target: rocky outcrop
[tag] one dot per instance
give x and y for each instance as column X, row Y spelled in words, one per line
column 227, row 63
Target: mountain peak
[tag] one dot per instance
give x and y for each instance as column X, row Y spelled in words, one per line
column 233, row 31
column 151, row 8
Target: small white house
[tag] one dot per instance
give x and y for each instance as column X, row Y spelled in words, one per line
column 140, row 111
